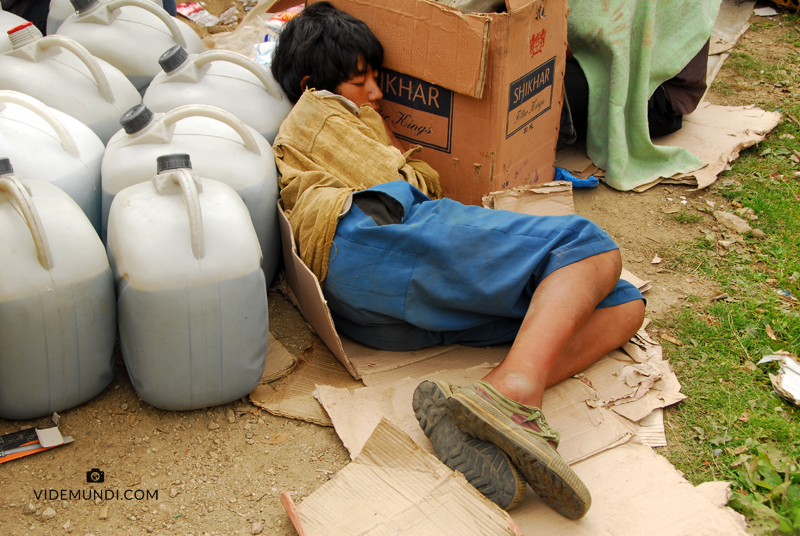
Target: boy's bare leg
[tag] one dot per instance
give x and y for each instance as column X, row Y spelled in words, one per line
column 562, row 332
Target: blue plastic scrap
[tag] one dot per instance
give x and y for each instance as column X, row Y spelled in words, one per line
column 564, row 175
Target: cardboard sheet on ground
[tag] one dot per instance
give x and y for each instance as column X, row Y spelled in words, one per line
column 714, row 133
column 596, row 411
column 279, row 361
column 395, row 487
column 584, row 430
column 717, row 134
column 293, row 395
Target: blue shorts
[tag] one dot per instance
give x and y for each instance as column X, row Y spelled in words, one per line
column 447, row 272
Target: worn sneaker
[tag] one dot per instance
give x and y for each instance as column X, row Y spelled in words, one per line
column 484, row 465
column 521, row 432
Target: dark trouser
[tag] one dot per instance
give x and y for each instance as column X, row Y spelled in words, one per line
column 661, row 117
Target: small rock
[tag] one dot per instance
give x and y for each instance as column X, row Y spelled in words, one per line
column 726, row 243
column 213, row 425
column 257, row 528
column 149, row 530
column 103, row 514
column 49, row 513
column 231, row 416
column 173, row 493
column 28, row 509
column 67, row 526
column 64, row 504
column 732, row 221
column 758, row 234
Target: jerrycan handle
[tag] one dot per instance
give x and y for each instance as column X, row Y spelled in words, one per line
column 202, row 110
column 192, row 201
column 100, row 79
column 264, row 6
column 67, row 141
column 159, row 12
column 17, row 190
column 241, row 61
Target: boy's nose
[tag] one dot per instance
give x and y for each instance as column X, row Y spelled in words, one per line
column 374, row 91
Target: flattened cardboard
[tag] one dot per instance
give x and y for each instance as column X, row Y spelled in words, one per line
column 456, row 358
column 488, row 119
column 279, row 361
column 651, row 430
column 573, row 158
column 717, row 134
column 585, row 431
column 548, row 199
column 634, row 492
column 307, row 291
column 293, row 397
column 394, row 486
column 642, row 393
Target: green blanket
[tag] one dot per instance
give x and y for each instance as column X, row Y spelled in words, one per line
column 627, row 48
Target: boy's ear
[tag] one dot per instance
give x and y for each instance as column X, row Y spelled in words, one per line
column 303, row 82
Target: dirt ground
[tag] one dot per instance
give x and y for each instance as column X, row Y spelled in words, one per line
column 220, row 471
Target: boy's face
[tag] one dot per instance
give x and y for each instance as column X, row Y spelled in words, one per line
column 362, row 88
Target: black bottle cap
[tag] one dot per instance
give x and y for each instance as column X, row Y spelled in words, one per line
column 166, row 162
column 80, row 5
column 173, row 58
column 136, row 118
column 5, row 166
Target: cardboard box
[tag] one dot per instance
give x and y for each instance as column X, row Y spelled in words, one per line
column 481, row 92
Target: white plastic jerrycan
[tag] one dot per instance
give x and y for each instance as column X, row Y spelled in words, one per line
column 63, row 75
column 51, row 146
column 61, row 9
column 223, row 79
column 128, row 34
column 8, row 21
column 221, row 147
column 191, row 296
column 57, row 313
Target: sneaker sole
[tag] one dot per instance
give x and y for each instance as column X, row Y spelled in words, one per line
column 546, row 472
column 486, row 467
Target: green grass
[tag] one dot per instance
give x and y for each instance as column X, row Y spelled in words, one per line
column 686, row 217
column 745, row 65
column 732, row 413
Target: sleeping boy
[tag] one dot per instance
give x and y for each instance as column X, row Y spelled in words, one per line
column 404, row 268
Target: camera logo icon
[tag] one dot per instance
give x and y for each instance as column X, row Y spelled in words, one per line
column 95, row 476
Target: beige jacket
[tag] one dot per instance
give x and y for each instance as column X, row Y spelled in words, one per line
column 327, row 149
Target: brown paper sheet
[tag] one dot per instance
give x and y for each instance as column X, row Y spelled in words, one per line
column 395, row 487
column 279, row 361
column 293, row 396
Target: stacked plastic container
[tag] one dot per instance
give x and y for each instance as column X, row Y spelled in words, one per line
column 221, row 147
column 223, row 79
column 57, row 313
column 128, row 34
column 64, row 75
column 68, row 154
column 191, row 296
column 180, row 281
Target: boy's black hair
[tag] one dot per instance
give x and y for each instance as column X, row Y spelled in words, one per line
column 324, row 44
